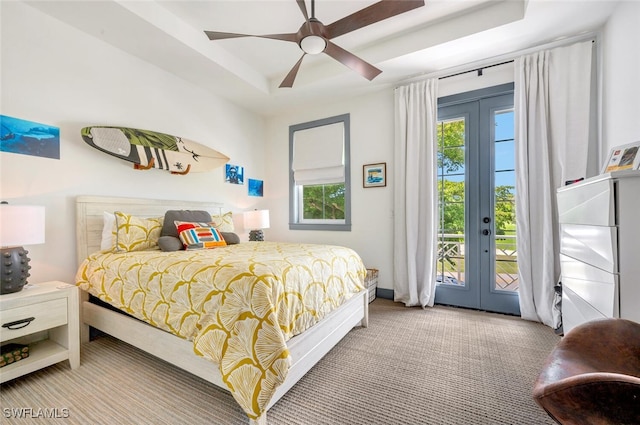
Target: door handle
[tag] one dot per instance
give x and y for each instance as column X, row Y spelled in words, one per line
column 486, row 232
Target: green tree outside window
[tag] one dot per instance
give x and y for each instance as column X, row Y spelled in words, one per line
column 323, row 202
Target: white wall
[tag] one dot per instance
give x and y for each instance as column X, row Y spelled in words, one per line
column 621, row 76
column 56, row 75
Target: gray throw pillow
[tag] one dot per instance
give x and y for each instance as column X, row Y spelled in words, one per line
column 169, row 227
column 230, row 238
column 170, row 243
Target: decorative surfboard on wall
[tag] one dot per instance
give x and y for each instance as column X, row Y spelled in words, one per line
column 150, row 149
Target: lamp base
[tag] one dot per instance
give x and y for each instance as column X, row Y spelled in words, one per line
column 256, row 235
column 14, row 269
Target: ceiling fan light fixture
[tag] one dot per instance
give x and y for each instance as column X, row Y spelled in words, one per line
column 313, row 44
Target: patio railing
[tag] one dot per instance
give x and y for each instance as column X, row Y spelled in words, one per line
column 451, row 261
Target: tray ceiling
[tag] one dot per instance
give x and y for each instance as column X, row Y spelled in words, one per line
column 444, row 34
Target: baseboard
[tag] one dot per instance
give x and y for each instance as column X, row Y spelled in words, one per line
column 384, row 293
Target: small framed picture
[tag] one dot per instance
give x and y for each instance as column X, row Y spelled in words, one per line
column 625, row 157
column 374, row 175
column 256, row 187
column 234, row 174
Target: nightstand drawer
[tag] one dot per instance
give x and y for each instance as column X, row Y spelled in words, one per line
column 44, row 315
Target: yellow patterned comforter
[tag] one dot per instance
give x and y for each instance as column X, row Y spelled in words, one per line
column 238, row 304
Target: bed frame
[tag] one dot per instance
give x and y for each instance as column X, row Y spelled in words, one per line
column 306, row 349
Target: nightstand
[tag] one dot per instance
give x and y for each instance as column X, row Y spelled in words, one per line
column 44, row 316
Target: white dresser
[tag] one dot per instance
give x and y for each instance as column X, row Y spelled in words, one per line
column 600, row 248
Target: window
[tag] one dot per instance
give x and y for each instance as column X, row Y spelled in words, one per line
column 319, row 175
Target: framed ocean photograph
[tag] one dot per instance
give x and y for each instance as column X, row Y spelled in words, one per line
column 625, row 157
column 256, row 187
column 234, row 174
column 374, row 175
column 29, row 138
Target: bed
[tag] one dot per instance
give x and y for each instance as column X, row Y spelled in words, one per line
column 281, row 346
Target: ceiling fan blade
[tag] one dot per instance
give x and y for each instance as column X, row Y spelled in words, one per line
column 363, row 68
column 291, row 76
column 215, row 35
column 303, row 9
column 369, row 15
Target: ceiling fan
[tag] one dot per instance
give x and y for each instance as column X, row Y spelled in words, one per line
column 314, row 37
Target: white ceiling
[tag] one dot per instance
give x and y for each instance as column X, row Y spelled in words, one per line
column 443, row 34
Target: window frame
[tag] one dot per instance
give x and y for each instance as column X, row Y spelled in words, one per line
column 295, row 220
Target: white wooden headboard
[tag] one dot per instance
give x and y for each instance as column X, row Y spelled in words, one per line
column 90, row 209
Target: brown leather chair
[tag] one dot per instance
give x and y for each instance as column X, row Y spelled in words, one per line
column 592, row 376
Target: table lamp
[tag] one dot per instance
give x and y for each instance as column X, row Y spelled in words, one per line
column 19, row 225
column 256, row 221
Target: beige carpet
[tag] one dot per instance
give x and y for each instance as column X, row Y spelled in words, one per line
column 411, row 366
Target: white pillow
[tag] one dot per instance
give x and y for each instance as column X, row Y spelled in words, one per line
column 109, row 221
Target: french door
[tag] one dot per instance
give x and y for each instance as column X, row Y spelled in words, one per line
column 477, row 258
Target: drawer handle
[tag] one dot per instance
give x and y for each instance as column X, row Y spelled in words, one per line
column 23, row 322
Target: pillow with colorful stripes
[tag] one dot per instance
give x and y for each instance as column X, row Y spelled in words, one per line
column 194, row 235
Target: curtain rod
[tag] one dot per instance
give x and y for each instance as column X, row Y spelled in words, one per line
column 502, row 59
column 478, row 70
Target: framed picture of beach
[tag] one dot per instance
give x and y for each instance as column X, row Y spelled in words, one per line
column 374, row 175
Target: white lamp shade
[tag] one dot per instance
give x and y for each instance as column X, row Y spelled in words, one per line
column 313, row 44
column 258, row 219
column 21, row 225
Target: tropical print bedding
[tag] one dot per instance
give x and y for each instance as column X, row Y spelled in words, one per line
column 239, row 304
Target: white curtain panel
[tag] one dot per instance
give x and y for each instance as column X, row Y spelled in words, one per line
column 415, row 193
column 552, row 109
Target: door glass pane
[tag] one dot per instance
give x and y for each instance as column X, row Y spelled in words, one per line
column 506, row 261
column 451, row 202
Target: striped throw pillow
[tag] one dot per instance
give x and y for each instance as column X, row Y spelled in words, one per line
column 195, row 235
